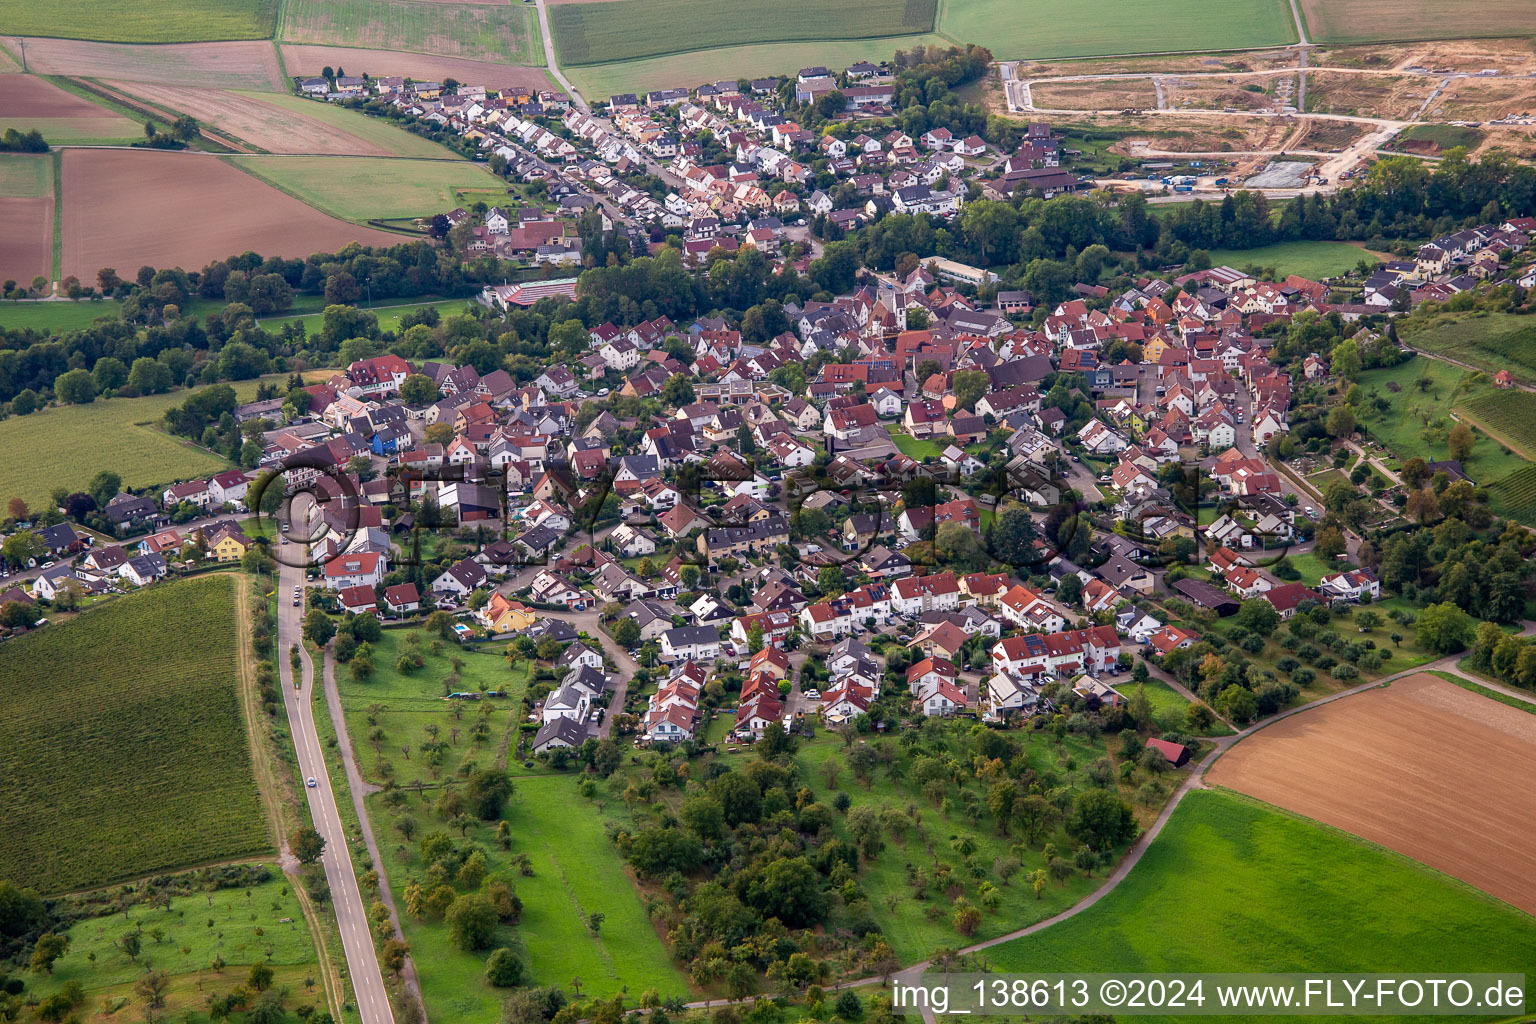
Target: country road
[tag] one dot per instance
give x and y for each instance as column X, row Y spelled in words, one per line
column 549, row 59
column 351, row 913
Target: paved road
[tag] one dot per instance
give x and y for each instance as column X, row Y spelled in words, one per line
column 549, row 58
column 351, row 912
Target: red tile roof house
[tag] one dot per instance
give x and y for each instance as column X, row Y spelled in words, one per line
column 356, row 600
column 1286, row 598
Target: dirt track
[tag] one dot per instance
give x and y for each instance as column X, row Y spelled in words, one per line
column 1423, row 767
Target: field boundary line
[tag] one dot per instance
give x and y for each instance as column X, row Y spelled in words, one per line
column 58, row 219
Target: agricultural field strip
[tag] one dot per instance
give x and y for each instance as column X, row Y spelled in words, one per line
column 620, row 30
column 475, row 31
column 156, row 667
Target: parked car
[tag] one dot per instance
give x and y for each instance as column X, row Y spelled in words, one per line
column 811, row 694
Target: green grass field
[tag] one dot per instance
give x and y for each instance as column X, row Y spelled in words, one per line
column 25, row 174
column 507, row 33
column 363, row 188
column 1365, row 21
column 1417, row 422
column 1445, row 136
column 370, row 129
column 56, row 316
column 621, row 30
column 389, row 316
column 1233, row 885
column 576, row 871
column 1066, row 28
column 146, row 21
column 918, row 448
column 754, row 60
column 132, row 445
column 1314, row 260
column 1489, row 341
column 122, row 750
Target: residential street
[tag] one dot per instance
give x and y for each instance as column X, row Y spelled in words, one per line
column 372, row 999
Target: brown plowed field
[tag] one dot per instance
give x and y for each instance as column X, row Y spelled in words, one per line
column 1423, row 767
column 126, row 209
column 302, row 59
column 26, row 244
column 30, row 96
column 241, row 65
column 261, row 124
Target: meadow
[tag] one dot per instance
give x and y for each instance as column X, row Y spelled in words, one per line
column 1081, row 28
column 1312, row 260
column 1489, row 341
column 1444, row 136
column 389, row 316
column 373, row 130
column 57, row 316
column 1234, row 885
column 475, row 31
column 1417, row 422
column 617, row 30
column 144, row 21
column 754, row 60
column 123, row 751
column 139, row 451
column 363, row 188
column 1363, row 21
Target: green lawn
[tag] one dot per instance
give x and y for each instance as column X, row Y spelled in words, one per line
column 144, row 21
column 1418, row 421
column 1233, row 885
column 621, row 30
column 576, row 872
column 917, row 448
column 503, row 33
column 123, row 750
column 1490, row 341
column 1313, row 260
column 56, row 316
column 1064, row 28
column 363, row 188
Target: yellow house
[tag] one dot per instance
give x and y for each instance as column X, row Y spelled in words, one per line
column 228, row 546
column 1153, row 350
column 501, row 615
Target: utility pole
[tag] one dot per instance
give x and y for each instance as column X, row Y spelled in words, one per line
column 23, row 43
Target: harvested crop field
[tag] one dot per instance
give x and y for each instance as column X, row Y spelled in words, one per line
column 309, row 60
column 500, row 32
column 26, row 244
column 265, row 121
column 1362, row 21
column 28, row 102
column 1101, row 95
column 238, row 65
column 1414, row 784
column 26, row 210
column 184, row 209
